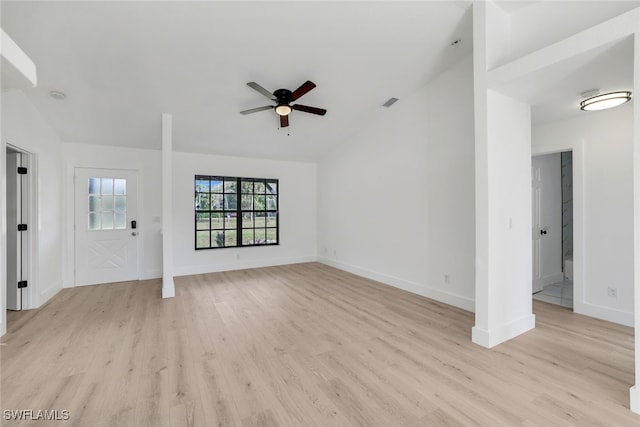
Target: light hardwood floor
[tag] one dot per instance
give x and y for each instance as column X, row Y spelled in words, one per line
column 304, row 345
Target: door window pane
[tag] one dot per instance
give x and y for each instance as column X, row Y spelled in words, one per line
column 94, row 221
column 107, row 220
column 94, row 203
column 94, row 185
column 120, row 186
column 121, row 203
column 121, row 221
column 107, row 204
column 107, row 186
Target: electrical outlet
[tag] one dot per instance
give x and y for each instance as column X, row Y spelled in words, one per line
column 612, row 292
column 447, row 278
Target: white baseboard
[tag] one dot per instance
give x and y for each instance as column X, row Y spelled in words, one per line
column 604, row 313
column 496, row 336
column 168, row 287
column 152, row 274
column 634, row 399
column 553, row 278
column 48, row 293
column 240, row 265
column 416, row 288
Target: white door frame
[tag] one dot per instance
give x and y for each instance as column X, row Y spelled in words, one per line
column 578, row 215
column 30, row 294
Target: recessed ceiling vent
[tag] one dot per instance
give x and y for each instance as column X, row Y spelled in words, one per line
column 390, row 102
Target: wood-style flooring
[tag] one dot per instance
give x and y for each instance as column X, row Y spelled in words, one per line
column 304, row 345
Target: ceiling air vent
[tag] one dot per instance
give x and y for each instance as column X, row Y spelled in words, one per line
column 390, row 102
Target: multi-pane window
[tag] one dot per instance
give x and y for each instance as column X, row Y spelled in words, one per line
column 107, row 203
column 232, row 211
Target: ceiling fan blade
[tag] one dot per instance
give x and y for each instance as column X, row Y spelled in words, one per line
column 307, row 109
column 284, row 121
column 255, row 110
column 304, row 88
column 256, row 86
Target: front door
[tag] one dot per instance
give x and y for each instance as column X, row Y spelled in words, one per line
column 106, row 232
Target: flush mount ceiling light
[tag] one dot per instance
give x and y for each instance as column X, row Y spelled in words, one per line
column 604, row 101
column 56, row 94
column 283, row 110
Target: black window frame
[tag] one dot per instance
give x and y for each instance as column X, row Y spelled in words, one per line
column 205, row 194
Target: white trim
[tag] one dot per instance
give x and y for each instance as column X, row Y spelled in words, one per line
column 424, row 290
column 168, row 287
column 611, row 30
column 635, row 391
column 3, row 236
column 46, row 294
column 32, row 297
column 605, row 313
column 267, row 262
column 504, row 333
column 19, row 61
column 168, row 284
column 634, row 399
column 152, row 274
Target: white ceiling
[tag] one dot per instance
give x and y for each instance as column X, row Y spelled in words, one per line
column 555, row 92
column 122, row 64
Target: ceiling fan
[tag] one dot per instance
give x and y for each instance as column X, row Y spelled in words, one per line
column 283, row 99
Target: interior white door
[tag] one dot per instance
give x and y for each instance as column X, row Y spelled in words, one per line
column 546, row 203
column 14, row 237
column 106, row 229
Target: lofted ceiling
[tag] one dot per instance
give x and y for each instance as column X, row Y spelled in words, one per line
column 555, row 92
column 123, row 64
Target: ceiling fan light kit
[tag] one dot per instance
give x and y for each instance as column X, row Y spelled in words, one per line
column 605, row 100
column 283, row 99
column 283, row 110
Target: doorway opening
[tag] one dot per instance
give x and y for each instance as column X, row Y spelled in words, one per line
column 552, row 215
column 18, row 212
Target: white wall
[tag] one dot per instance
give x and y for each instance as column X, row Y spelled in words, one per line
column 524, row 35
column 297, row 203
column 24, row 127
column 147, row 163
column 395, row 201
column 606, row 138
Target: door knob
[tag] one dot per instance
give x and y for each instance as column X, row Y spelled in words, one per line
column 543, row 231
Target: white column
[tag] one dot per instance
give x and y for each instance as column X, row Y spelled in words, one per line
column 634, row 398
column 168, row 286
column 503, row 197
